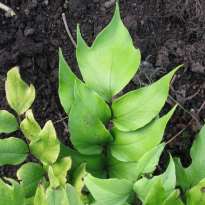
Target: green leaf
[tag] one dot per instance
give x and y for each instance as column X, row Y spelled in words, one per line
column 88, row 133
column 60, row 196
column 19, row 95
column 173, row 199
column 109, row 191
column 78, row 177
column 188, row 177
column 57, row 172
column 30, row 128
column 111, row 62
column 56, row 196
column 8, row 122
column 148, row 189
column 134, row 169
column 47, row 148
column 73, row 196
column 137, row 108
column 67, row 81
column 131, row 146
column 13, row 151
column 11, row 194
column 40, row 196
column 30, row 174
column 94, row 163
column 196, row 195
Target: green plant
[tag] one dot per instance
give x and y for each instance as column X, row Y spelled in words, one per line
column 117, row 140
column 159, row 189
column 120, row 135
column 49, row 174
column 192, row 178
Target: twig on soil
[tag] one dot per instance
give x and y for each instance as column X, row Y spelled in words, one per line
column 68, row 30
column 179, row 133
column 183, row 108
column 62, row 119
column 7, row 9
column 189, row 123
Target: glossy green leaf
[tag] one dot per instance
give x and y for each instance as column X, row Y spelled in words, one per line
column 13, row 151
column 30, row 127
column 47, row 148
column 40, row 196
column 137, row 108
column 30, row 174
column 134, row 169
column 78, row 177
column 196, row 195
column 188, row 177
column 131, row 146
column 111, row 62
column 57, row 172
column 8, row 122
column 11, row 194
column 148, row 189
column 19, row 95
column 67, row 81
column 109, row 191
column 94, row 163
column 88, row 133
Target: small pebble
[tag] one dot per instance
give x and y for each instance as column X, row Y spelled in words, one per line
column 108, row 4
column 33, row 4
column 28, row 31
column 27, row 12
column 46, row 2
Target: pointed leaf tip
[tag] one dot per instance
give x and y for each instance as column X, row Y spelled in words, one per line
column 112, row 60
column 137, row 108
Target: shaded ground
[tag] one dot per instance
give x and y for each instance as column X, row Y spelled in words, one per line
column 168, row 32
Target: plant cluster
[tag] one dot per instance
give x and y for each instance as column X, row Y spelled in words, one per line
column 116, row 140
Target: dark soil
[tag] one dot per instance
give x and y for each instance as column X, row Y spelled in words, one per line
column 168, row 32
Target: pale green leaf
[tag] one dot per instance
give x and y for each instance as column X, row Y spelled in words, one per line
column 78, row 178
column 173, row 199
column 94, row 163
column 122, row 170
column 57, row 172
column 196, row 195
column 88, row 133
column 8, row 122
column 47, row 148
column 30, row 127
column 72, row 195
column 148, row 162
column 19, row 95
column 134, row 169
column 111, row 62
column 130, row 146
column 137, row 108
column 11, row 194
column 188, row 177
column 148, row 189
column 30, row 174
column 56, row 196
column 67, row 81
column 13, row 151
column 40, row 196
column 109, row 191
